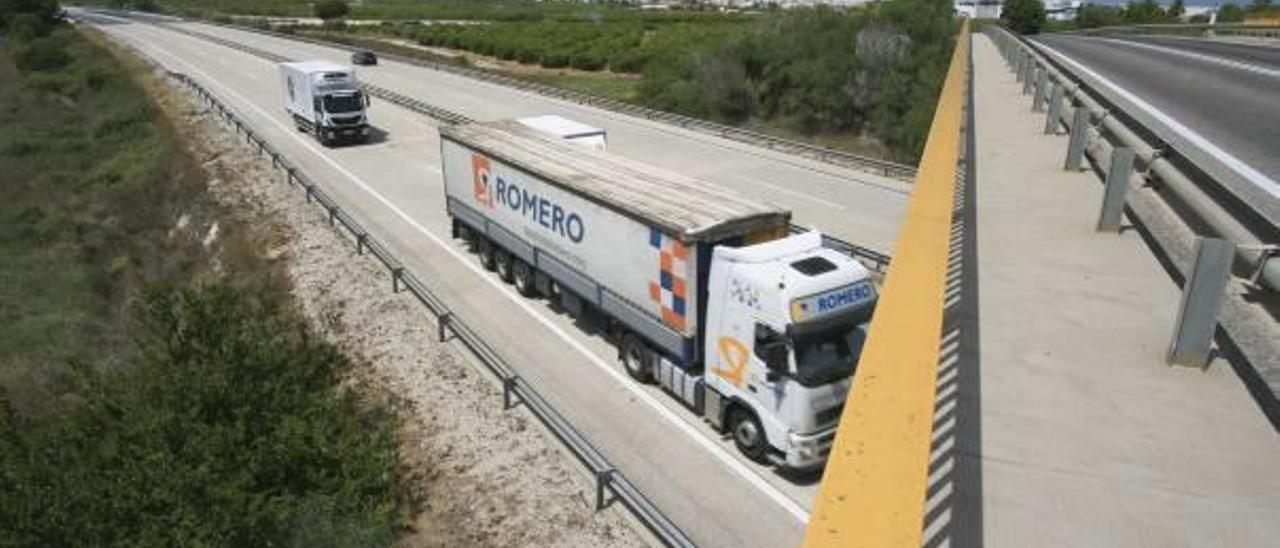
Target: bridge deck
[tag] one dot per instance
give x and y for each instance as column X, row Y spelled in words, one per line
column 1087, row 437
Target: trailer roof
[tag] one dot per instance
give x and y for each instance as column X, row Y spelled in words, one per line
column 317, row 66
column 682, row 206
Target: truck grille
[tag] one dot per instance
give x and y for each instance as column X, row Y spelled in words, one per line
column 354, row 120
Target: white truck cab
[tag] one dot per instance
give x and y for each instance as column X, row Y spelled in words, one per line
column 785, row 325
column 325, row 99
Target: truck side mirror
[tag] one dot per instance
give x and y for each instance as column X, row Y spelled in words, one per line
column 366, row 99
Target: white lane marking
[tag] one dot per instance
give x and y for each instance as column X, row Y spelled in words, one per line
column 784, row 190
column 718, row 452
column 1248, row 67
column 1252, row 175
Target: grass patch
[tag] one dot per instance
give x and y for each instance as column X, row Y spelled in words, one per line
column 157, row 388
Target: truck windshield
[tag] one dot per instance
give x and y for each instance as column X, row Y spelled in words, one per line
column 827, row 355
column 339, row 104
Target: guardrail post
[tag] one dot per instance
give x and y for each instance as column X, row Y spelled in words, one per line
column 1022, row 66
column 1117, row 188
column 395, row 278
column 1037, row 97
column 442, row 326
column 360, row 239
column 602, row 478
column 1055, row 109
column 508, row 386
column 1079, row 132
column 1202, row 296
column 1029, row 81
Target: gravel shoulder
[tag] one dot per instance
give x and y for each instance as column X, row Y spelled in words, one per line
column 478, row 475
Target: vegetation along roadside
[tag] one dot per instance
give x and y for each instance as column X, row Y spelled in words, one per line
column 157, row 384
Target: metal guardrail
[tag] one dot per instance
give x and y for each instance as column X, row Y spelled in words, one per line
column 1098, row 127
column 1170, row 189
column 823, row 154
column 876, row 261
column 609, row 480
column 1206, row 30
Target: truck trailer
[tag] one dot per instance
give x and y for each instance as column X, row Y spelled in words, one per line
column 703, row 290
column 325, row 99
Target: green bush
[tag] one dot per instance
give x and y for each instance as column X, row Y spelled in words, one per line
column 24, row 27
column 1230, row 13
column 1024, row 16
column 209, row 415
column 42, row 55
column 555, row 60
column 331, row 9
column 228, row 429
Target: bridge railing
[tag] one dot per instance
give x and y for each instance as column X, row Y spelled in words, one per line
column 873, row 491
column 1198, row 30
column 1205, row 193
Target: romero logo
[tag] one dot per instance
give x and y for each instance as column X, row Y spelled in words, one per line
column 492, row 191
column 480, row 180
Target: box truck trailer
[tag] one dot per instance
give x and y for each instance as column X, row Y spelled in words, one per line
column 703, row 290
column 325, row 99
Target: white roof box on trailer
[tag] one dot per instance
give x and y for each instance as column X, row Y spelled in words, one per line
column 573, row 131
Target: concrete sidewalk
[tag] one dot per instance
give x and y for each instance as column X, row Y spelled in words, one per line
column 1087, row 437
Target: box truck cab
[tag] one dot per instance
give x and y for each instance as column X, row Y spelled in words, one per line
column 703, row 290
column 325, row 99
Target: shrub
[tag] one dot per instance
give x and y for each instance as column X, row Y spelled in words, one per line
column 1024, row 16
column 26, row 26
column 42, row 55
column 555, row 60
column 331, row 9
column 587, row 60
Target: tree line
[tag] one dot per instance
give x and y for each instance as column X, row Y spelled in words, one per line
column 1029, row 16
column 872, row 70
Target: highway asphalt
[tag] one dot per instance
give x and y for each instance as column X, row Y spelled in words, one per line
column 1227, row 93
column 394, row 187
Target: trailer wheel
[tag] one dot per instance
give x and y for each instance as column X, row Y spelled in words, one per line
column 503, row 260
column 484, row 248
column 522, row 274
column 637, row 359
column 748, row 435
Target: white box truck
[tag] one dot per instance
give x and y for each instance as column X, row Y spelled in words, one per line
column 702, row 289
column 325, row 99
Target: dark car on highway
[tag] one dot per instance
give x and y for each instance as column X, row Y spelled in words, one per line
column 364, row 57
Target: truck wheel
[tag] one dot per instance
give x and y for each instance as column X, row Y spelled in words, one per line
column 484, row 248
column 637, row 359
column 748, row 435
column 503, row 260
column 523, row 277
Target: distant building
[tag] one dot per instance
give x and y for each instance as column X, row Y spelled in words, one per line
column 1062, row 10
column 979, row 9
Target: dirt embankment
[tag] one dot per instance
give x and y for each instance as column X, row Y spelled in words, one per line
column 480, row 476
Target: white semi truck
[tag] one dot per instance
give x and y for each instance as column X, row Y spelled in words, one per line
column 325, row 99
column 702, row 289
